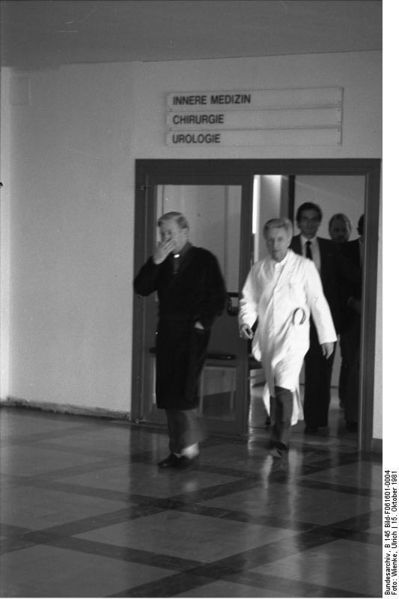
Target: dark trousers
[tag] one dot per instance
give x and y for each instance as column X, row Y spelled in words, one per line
column 350, row 344
column 180, row 356
column 343, row 372
column 184, row 428
column 318, row 373
column 281, row 412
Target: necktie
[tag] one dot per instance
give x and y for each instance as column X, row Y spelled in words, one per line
column 309, row 250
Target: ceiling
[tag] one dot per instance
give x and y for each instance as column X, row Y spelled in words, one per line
column 48, row 33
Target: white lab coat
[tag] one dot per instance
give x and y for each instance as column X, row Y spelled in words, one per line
column 281, row 296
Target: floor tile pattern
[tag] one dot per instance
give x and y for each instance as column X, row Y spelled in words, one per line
column 85, row 512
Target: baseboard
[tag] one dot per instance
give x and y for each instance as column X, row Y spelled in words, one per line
column 64, row 409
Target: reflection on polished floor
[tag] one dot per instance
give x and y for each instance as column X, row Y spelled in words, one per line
column 85, row 512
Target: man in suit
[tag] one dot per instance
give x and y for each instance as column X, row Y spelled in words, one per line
column 318, row 369
column 351, row 261
column 340, row 228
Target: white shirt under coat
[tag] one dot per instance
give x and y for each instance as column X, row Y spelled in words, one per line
column 315, row 249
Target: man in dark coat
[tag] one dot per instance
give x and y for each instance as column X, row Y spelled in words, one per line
column 191, row 293
column 318, row 370
column 340, row 228
column 351, row 300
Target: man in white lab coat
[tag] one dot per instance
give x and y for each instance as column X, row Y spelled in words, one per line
column 280, row 294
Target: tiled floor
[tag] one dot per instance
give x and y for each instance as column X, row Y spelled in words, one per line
column 85, row 512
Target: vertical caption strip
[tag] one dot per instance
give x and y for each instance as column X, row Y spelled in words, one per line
column 390, row 533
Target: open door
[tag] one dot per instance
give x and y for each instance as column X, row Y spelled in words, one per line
column 217, row 196
column 219, row 223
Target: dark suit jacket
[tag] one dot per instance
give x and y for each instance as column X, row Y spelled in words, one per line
column 350, row 284
column 328, row 274
column 351, row 253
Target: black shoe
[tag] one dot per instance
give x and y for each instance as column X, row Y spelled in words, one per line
column 169, row 462
column 268, row 421
column 311, row 430
column 184, row 462
column 275, row 452
column 278, row 450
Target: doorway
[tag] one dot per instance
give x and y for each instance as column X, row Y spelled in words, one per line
column 280, row 195
column 218, row 198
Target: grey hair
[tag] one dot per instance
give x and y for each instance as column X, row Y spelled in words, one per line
column 178, row 217
column 341, row 217
column 278, row 223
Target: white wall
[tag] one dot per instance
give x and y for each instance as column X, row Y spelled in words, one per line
column 333, row 194
column 70, row 188
column 358, row 73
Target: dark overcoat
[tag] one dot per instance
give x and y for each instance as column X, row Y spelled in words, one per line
column 318, row 370
column 350, row 287
column 328, row 274
column 350, row 284
column 195, row 292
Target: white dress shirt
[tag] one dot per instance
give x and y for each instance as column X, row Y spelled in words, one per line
column 314, row 248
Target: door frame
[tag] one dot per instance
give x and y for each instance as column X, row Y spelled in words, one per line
column 149, row 173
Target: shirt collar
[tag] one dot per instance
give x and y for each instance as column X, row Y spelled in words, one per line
column 305, row 239
column 281, row 263
column 183, row 251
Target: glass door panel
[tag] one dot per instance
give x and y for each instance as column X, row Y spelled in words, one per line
column 214, row 216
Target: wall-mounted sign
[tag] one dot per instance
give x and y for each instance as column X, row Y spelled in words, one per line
column 261, row 117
